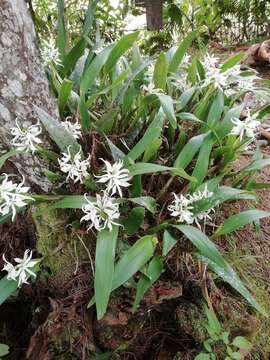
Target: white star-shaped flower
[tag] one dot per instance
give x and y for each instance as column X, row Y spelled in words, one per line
column 182, row 209
column 74, row 166
column 116, row 176
column 26, row 139
column 12, row 196
column 50, row 53
column 21, row 271
column 245, row 127
column 73, row 128
column 101, row 213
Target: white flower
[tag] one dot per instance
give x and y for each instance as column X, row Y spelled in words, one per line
column 21, row 271
column 200, row 195
column 217, row 78
column 50, row 53
column 101, row 213
column 186, row 60
column 246, row 127
column 74, row 166
column 73, row 128
column 115, row 176
column 26, row 139
column 12, row 196
column 182, row 209
column 210, row 62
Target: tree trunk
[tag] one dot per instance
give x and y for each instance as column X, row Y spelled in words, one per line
column 23, row 84
column 154, row 14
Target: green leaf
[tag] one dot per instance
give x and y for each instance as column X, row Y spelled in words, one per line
column 232, row 61
column 211, row 255
column 151, row 134
column 57, row 132
column 189, row 151
column 224, row 127
column 94, row 69
column 117, row 154
column 216, row 109
column 168, row 243
column 213, row 321
column 105, row 356
column 166, row 103
column 134, row 220
column 85, row 117
column 89, row 17
column 6, row 156
column 153, row 272
column 186, row 96
column 119, row 49
column 180, row 52
column 147, row 168
column 61, row 31
column 201, row 167
column 104, row 268
column 152, row 150
column 146, row 201
column 241, row 343
column 74, row 55
column 133, row 260
column 5, row 218
column 160, row 72
column 202, row 356
column 7, row 288
column 236, row 355
column 64, row 93
column 239, row 220
column 71, row 202
column 258, row 165
column 4, row 349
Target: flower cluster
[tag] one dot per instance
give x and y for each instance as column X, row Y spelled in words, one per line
column 231, row 80
column 12, row 196
column 21, row 271
column 74, row 166
column 26, row 139
column 104, row 210
column 183, row 209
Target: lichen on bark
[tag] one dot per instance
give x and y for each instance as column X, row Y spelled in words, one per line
column 23, row 84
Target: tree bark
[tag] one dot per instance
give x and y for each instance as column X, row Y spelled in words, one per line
column 23, row 84
column 154, row 14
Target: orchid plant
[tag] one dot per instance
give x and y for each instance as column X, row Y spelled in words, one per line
column 175, row 116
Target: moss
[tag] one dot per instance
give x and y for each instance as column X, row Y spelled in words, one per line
column 192, row 320
column 51, row 235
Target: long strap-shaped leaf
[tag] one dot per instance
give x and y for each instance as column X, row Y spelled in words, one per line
column 180, row 52
column 132, row 261
column 104, row 268
column 212, row 256
column 239, row 220
column 147, row 168
column 152, row 133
